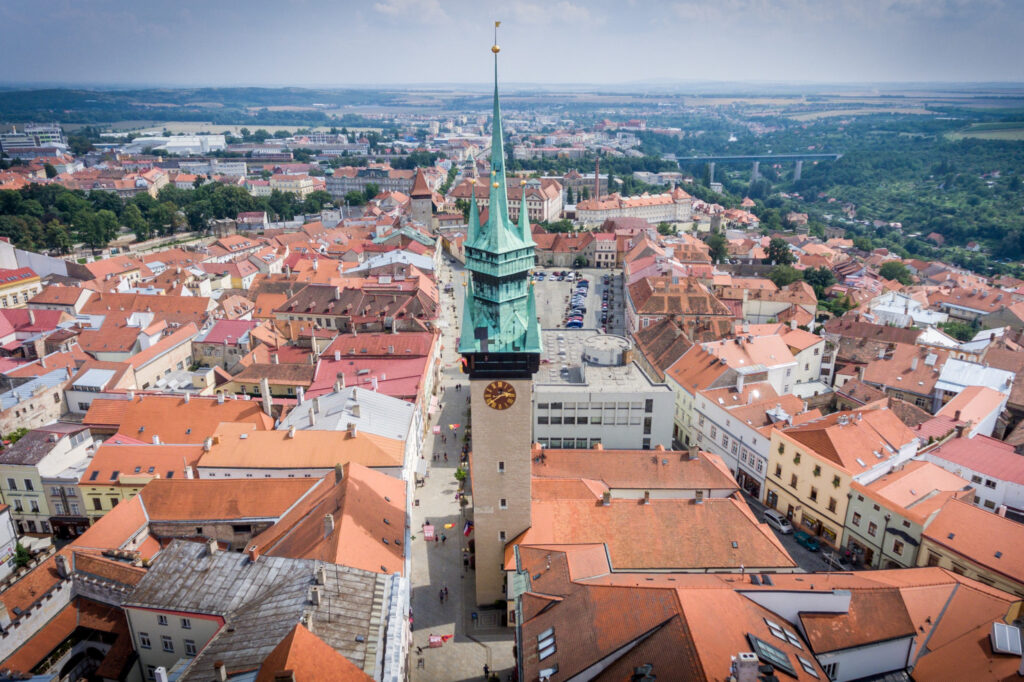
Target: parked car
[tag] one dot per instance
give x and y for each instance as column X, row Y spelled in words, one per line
column 778, row 521
column 807, row 541
column 574, row 324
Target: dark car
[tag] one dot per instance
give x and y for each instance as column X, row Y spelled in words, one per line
column 806, row 541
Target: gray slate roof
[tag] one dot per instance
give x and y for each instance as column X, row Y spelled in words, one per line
column 262, row 600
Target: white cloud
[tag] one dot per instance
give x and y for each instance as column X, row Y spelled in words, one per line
column 429, row 11
column 528, row 12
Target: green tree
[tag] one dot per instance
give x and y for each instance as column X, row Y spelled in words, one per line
column 315, row 201
column 356, row 198
column 133, row 220
column 371, row 191
column 779, row 253
column 569, row 197
column 961, row 331
column 819, row 278
column 718, row 245
column 56, row 237
column 783, row 275
column 22, row 557
column 50, row 171
column 897, row 271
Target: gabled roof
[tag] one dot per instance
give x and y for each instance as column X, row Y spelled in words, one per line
column 368, row 512
column 194, row 500
column 869, row 436
column 172, row 418
column 308, row 657
column 987, row 539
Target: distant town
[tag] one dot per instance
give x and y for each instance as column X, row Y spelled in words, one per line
column 513, row 396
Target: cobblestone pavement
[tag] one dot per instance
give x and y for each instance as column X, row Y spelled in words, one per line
column 436, row 565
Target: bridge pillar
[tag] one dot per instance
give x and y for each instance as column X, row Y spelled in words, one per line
column 754, row 174
column 711, row 172
column 799, row 169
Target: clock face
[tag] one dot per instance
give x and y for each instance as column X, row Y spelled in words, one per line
column 499, row 395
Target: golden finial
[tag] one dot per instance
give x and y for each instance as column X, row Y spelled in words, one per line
column 522, row 183
column 495, row 185
column 494, row 48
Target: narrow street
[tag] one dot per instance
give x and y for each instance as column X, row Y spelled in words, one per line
column 436, row 565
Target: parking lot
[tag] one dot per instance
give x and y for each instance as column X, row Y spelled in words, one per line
column 554, row 299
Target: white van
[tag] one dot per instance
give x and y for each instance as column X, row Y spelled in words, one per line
column 778, row 521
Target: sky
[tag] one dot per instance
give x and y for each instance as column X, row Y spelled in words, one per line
column 413, row 42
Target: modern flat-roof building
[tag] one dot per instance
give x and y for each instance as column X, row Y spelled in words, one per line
column 589, row 391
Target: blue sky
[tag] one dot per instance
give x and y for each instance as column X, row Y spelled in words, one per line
column 381, row 42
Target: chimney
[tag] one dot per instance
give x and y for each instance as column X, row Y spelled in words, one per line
column 339, row 472
column 316, row 404
column 739, row 382
column 956, row 416
column 328, row 525
column 698, row 497
column 354, row 410
column 913, row 364
column 314, row 596
column 274, row 358
column 792, row 324
column 265, row 394
column 220, row 398
column 1001, row 510
column 647, row 497
column 312, row 418
column 62, row 567
column 31, row 316
column 606, row 498
column 254, row 553
column 156, row 439
column 160, row 674
column 745, row 667
column 189, row 475
column 352, row 431
column 211, row 547
column 131, row 395
column 692, row 453
column 374, row 383
column 188, row 397
column 300, row 395
column 291, row 432
column 337, row 356
column 284, row 676
column 220, row 672
column 321, row 575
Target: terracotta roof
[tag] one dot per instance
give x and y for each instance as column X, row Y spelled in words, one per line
column 307, row 657
column 846, row 437
column 916, row 490
column 306, row 450
column 368, row 508
column 974, row 404
column 987, row 539
column 167, row 343
column 172, row 418
column 137, row 464
column 186, row 500
column 80, row 613
column 850, row 326
column 662, row 344
column 638, row 469
column 697, row 369
column 666, row 534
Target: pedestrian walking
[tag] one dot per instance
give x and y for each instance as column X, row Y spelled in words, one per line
column 443, row 538
column 440, row 595
column 446, row 457
column 487, row 671
column 435, row 539
column 446, row 593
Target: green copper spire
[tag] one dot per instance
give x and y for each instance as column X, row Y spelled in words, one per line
column 500, row 311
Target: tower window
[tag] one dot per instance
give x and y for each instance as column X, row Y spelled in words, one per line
column 503, row 503
column 501, row 467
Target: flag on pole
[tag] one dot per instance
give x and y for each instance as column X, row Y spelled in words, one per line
column 468, row 529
